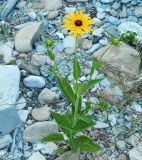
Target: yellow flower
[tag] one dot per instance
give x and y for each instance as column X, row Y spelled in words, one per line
column 78, row 23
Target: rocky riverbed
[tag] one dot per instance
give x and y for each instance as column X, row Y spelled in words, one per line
column 28, row 91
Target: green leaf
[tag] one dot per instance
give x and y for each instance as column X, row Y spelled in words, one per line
column 83, row 139
column 51, row 55
column 63, row 122
column 86, row 118
column 83, row 125
column 60, row 150
column 89, row 85
column 95, row 66
column 90, row 147
column 74, row 144
column 66, row 89
column 76, row 68
column 87, row 145
column 55, row 137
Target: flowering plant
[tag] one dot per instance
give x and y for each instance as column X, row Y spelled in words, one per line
column 76, row 119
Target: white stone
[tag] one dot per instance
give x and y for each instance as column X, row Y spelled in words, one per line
column 34, row 82
column 37, row 156
column 9, row 85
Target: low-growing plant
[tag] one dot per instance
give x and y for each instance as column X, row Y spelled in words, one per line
column 76, row 119
column 4, row 29
column 129, row 38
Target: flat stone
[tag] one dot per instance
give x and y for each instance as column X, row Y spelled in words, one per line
column 118, row 67
column 41, row 114
column 23, row 115
column 35, row 132
column 48, row 97
column 26, row 36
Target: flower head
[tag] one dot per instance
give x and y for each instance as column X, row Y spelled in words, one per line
column 78, row 23
column 48, row 42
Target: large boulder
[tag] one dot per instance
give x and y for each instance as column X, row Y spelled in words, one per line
column 9, row 92
column 119, row 62
column 9, row 85
column 27, row 35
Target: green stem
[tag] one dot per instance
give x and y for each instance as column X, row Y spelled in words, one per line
column 77, row 96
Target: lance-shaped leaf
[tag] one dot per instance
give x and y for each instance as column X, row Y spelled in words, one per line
column 76, row 68
column 55, row 137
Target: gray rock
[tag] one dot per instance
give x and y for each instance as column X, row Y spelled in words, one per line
column 53, row 15
column 52, row 5
column 9, row 120
column 69, row 155
column 34, row 82
column 101, row 125
column 6, row 53
column 47, row 97
column 134, row 139
column 23, row 115
column 106, row 1
column 41, row 114
column 8, row 8
column 37, row 156
column 69, row 42
column 113, row 94
column 5, row 141
column 9, row 85
column 118, row 67
column 39, row 130
column 26, row 36
column 136, row 152
column 121, row 145
column 49, row 148
column 138, row 11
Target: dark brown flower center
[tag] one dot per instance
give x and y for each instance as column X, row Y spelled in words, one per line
column 78, row 23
